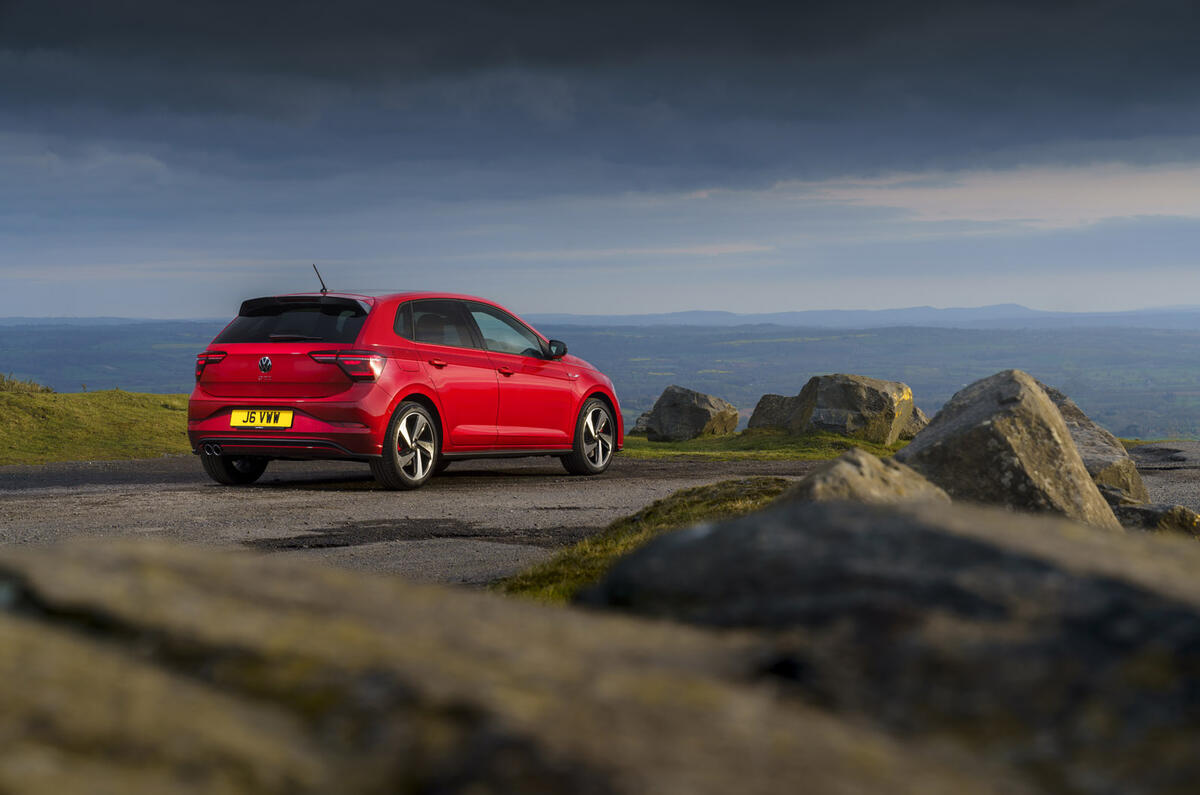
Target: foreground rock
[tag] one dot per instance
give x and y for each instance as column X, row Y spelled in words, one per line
column 1002, row 441
column 1106, row 459
column 851, row 405
column 1159, row 518
column 1030, row 640
column 859, row 476
column 141, row 668
column 680, row 414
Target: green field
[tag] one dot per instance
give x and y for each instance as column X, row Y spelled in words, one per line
column 40, row 427
column 576, row 567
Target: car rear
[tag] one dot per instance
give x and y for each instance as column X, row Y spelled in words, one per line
column 291, row 377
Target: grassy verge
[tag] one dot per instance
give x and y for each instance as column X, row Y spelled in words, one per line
column 560, row 578
column 39, row 427
column 755, row 444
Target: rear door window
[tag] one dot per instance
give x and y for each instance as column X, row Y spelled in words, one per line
column 442, row 322
column 286, row 319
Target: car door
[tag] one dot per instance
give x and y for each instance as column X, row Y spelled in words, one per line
column 537, row 395
column 463, row 374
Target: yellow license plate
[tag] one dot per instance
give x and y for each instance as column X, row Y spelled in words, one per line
column 261, row 418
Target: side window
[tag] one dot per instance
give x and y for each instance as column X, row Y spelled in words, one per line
column 503, row 333
column 441, row 322
column 404, row 322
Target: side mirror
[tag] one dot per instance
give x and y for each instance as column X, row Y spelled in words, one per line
column 558, row 349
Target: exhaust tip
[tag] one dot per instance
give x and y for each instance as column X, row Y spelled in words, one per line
column 212, row 449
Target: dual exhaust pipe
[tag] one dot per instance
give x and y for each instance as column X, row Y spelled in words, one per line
column 211, row 449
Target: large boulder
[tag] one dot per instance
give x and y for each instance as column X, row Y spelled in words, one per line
column 680, row 414
column 1030, row 640
column 1002, row 441
column 858, row 475
column 851, row 405
column 917, row 422
column 144, row 668
column 1106, row 459
column 772, row 411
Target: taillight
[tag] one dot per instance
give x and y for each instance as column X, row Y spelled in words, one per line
column 208, row 357
column 359, row 365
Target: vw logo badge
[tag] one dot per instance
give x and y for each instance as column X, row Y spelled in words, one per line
column 264, row 364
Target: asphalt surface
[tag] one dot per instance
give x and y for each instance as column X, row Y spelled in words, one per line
column 1171, row 472
column 477, row 522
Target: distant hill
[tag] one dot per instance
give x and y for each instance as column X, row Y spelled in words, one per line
column 997, row 316
column 1137, row 381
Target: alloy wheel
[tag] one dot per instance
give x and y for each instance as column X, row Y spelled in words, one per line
column 597, row 437
column 415, row 448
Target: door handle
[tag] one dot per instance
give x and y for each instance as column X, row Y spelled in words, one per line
column 505, row 370
column 437, row 363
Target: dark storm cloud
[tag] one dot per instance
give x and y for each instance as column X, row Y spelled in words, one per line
column 631, row 95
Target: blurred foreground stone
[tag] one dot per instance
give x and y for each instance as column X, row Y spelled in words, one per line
column 144, row 668
column 1069, row 652
column 858, row 475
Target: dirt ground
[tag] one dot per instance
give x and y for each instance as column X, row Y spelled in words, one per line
column 479, row 521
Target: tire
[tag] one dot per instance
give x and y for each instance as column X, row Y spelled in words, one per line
column 595, row 441
column 234, row 470
column 411, row 448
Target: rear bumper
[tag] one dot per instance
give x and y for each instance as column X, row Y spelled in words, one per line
column 279, row 448
column 320, row 429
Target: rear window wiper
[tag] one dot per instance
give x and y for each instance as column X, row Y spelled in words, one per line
column 294, row 338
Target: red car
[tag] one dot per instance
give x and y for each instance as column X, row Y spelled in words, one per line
column 407, row 383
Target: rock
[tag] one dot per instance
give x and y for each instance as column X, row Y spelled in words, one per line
column 680, row 414
column 858, row 475
column 772, row 411
column 1159, row 518
column 1105, row 457
column 1002, row 441
column 1029, row 640
column 916, row 423
column 130, row 668
column 1114, row 496
column 853, row 405
column 641, row 426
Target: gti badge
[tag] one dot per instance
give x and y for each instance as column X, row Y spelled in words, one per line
column 264, row 364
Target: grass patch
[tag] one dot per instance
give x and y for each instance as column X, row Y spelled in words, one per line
column 10, row 384
column 43, row 426
column 576, row 567
column 757, row 444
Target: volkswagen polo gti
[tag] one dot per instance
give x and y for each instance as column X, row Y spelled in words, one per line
column 407, row 383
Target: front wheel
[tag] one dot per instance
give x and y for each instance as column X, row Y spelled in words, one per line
column 234, row 470
column 595, row 440
column 410, row 448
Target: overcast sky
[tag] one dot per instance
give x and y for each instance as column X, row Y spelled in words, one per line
column 164, row 159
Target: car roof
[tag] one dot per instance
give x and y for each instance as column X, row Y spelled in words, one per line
column 373, row 297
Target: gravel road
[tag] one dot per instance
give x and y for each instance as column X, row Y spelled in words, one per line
column 479, row 521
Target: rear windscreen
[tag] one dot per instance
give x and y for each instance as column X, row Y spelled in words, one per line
column 283, row 320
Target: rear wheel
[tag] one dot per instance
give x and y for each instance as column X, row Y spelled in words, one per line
column 234, row 470
column 410, row 448
column 595, row 440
